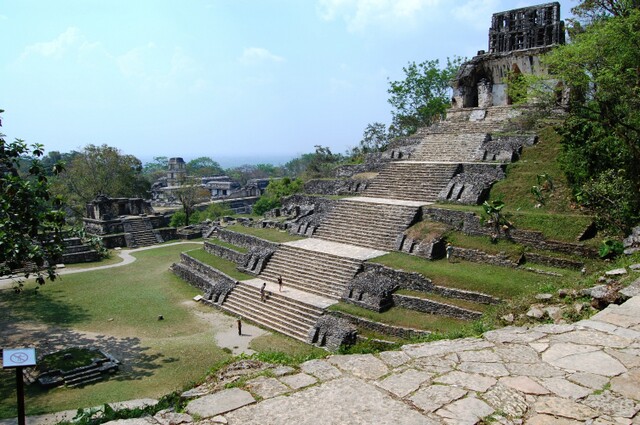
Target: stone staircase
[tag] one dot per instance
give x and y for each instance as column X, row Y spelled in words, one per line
column 371, row 224
column 282, row 313
column 409, row 180
column 315, row 272
column 140, row 233
column 447, row 147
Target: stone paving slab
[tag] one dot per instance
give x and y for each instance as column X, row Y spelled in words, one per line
column 218, row 403
column 289, row 292
column 337, row 402
column 336, row 248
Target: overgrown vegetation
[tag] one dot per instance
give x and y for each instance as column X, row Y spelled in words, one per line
column 601, row 134
column 31, row 219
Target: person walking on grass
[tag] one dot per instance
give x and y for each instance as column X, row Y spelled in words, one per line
column 280, row 283
column 263, row 291
column 449, row 252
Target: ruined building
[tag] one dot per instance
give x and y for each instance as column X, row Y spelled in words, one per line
column 517, row 39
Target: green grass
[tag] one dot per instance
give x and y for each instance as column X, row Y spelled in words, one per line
column 501, row 282
column 78, row 357
column 120, row 307
column 470, row 305
column 273, row 235
column 558, row 219
column 227, row 245
column 225, row 266
column 277, row 348
column 399, row 316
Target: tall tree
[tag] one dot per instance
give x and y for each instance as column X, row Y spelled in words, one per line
column 204, row 167
column 375, row 138
column 601, row 135
column 30, row 217
column 190, row 194
column 100, row 170
column 423, row 96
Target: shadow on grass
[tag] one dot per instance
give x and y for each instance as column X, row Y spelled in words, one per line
column 41, row 307
column 137, row 362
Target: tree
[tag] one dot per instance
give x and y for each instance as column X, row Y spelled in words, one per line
column 591, row 10
column 321, row 163
column 190, row 193
column 374, row 139
column 204, row 167
column 277, row 190
column 31, row 219
column 100, row 170
column 602, row 131
column 423, row 96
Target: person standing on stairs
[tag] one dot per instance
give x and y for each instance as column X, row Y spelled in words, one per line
column 263, row 291
column 280, row 283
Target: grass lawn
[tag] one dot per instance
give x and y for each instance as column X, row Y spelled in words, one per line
column 227, row 245
column 502, row 282
column 273, row 235
column 225, row 266
column 399, row 316
column 117, row 308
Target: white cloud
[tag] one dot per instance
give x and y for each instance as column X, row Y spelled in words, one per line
column 477, row 13
column 361, row 14
column 153, row 69
column 57, row 47
column 256, row 55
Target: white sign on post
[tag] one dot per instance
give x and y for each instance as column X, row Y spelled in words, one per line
column 18, row 357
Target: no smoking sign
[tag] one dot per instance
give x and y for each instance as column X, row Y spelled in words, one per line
column 18, row 357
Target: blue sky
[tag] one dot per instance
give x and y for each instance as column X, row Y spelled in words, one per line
column 219, row 78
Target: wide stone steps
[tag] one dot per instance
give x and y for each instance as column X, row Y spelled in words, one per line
column 319, row 273
column 280, row 313
column 449, row 147
column 415, row 181
column 368, row 224
column 142, row 233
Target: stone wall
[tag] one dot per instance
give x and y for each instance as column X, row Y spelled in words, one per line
column 224, row 252
column 167, row 233
column 434, row 307
column 472, row 183
column 335, row 186
column 397, row 331
column 243, row 240
column 478, row 256
column 561, row 263
column 305, row 213
column 332, row 332
column 114, row 241
column 373, row 286
column 470, row 224
column 214, row 284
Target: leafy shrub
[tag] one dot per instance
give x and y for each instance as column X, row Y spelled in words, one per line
column 610, row 248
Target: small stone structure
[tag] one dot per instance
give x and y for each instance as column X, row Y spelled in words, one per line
column 129, row 222
column 517, row 39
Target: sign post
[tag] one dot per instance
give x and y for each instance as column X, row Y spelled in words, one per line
column 19, row 358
